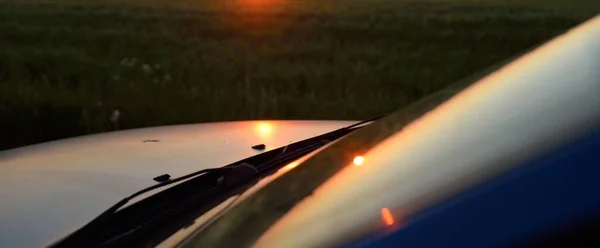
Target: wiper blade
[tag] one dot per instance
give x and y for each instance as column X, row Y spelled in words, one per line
column 227, row 178
column 124, row 201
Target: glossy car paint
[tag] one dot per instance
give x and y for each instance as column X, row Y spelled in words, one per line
column 49, row 190
column 542, row 101
column 552, row 201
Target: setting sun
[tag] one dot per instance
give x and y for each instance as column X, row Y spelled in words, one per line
column 259, row 4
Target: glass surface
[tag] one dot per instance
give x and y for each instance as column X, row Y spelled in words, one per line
column 250, row 218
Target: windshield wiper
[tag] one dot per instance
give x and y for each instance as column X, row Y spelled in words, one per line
column 198, row 192
column 233, row 169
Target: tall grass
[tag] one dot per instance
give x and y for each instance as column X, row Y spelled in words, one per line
column 66, row 67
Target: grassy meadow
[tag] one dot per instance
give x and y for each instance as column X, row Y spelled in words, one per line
column 67, row 65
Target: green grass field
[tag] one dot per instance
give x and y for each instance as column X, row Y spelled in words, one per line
column 66, row 65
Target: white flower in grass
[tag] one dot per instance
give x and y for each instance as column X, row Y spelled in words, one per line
column 124, row 62
column 146, row 68
column 114, row 117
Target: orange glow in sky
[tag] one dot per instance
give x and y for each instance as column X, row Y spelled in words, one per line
column 259, row 4
column 387, row 217
column 358, row 160
column 256, row 2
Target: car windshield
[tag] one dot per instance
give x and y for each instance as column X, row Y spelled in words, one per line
column 251, row 218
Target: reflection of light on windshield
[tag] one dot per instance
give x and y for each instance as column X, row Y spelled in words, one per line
column 264, row 129
column 290, row 166
column 387, row 217
column 358, row 160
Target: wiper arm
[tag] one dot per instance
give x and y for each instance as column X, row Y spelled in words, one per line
column 215, row 183
column 220, row 170
column 124, row 201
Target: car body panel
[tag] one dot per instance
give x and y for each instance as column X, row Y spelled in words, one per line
column 52, row 189
column 551, row 201
column 533, row 106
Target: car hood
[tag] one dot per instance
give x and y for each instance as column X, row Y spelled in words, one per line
column 51, row 189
